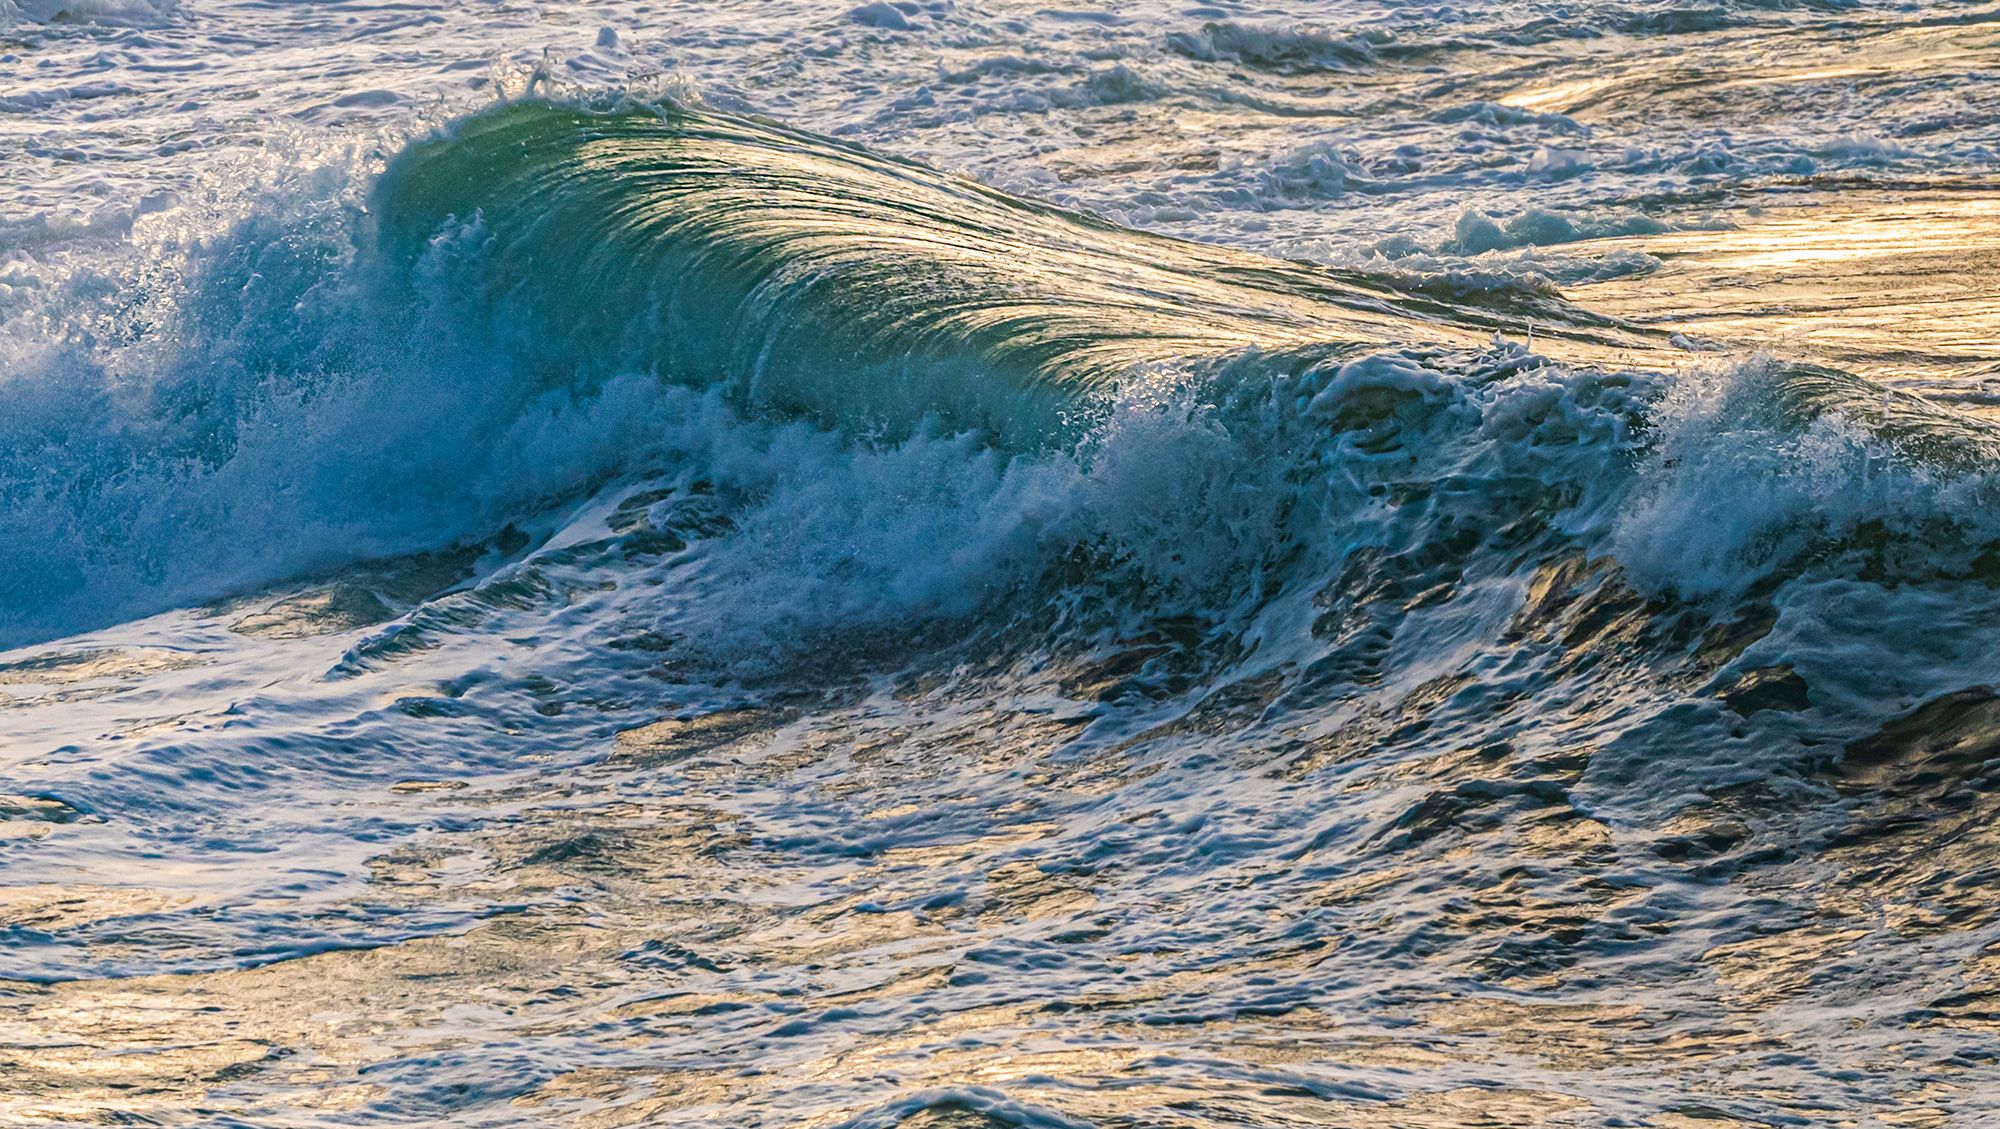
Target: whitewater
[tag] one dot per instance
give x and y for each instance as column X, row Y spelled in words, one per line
column 974, row 564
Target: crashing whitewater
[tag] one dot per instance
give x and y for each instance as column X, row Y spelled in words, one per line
column 615, row 610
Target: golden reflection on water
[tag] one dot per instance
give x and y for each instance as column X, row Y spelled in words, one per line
column 1704, row 70
column 1901, row 287
column 755, row 948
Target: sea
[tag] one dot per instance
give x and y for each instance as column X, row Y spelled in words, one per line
column 957, row 564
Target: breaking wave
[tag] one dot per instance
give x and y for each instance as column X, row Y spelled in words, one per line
column 857, row 398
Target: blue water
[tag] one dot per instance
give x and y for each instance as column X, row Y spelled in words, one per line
column 957, row 565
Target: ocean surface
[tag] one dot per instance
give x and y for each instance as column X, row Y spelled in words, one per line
column 988, row 563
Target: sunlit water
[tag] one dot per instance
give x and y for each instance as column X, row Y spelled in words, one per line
column 994, row 564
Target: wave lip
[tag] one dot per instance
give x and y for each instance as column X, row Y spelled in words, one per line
column 854, row 288
column 481, row 331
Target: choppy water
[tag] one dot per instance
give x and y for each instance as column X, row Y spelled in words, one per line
column 995, row 564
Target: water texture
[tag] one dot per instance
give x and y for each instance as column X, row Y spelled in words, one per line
column 986, row 564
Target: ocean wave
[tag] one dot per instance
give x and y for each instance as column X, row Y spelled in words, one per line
column 656, row 572
column 364, row 365
column 537, row 300
column 1284, row 50
column 1476, row 232
column 853, row 288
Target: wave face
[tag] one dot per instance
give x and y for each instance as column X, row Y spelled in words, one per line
column 424, row 359
column 856, row 289
column 774, row 600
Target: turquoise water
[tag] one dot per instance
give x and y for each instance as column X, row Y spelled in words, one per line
column 975, row 565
